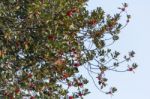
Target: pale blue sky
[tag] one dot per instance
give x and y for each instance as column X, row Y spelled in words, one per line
column 135, row 36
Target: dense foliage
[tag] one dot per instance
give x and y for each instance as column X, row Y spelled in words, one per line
column 43, row 43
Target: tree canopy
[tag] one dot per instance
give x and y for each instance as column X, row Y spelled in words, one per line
column 43, row 43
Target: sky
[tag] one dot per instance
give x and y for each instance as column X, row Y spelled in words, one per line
column 135, row 37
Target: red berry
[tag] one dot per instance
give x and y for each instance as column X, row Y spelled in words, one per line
column 80, row 94
column 69, row 13
column 130, row 69
column 32, row 97
column 65, row 75
column 70, row 97
column 73, row 49
column 17, row 44
column 92, row 22
column 76, row 64
column 10, row 96
column 32, row 85
column 30, row 75
column 80, row 84
column 6, row 94
column 51, row 37
column 69, row 84
column 17, row 90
